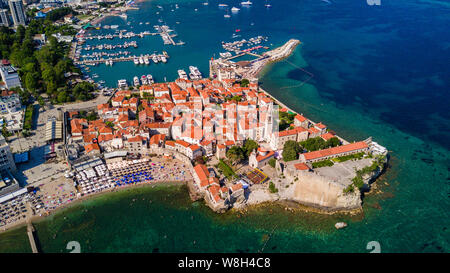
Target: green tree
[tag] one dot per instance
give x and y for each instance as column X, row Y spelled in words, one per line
column 109, row 124
column 62, row 97
column 31, row 81
column 41, row 101
column 290, row 150
column 245, row 82
column 333, row 142
column 92, row 116
column 249, row 146
column 235, row 154
column 272, row 187
column 272, row 162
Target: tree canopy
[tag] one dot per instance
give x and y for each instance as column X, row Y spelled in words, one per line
column 42, row 69
column 317, row 143
column 236, row 154
column 245, row 82
column 290, row 150
column 249, row 146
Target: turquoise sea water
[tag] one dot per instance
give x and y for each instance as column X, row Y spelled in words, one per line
column 379, row 71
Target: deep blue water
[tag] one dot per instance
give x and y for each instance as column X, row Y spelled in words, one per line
column 380, row 71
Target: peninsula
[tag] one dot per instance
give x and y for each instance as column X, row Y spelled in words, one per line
column 227, row 139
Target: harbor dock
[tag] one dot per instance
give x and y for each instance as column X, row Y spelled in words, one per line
column 117, row 59
column 30, row 231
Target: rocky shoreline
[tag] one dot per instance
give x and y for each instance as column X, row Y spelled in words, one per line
column 262, row 196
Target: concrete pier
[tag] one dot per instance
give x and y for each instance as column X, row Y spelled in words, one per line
column 30, row 231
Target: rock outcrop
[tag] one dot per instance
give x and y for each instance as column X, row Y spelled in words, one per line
column 317, row 191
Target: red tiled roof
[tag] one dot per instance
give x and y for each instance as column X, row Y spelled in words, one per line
column 260, row 158
column 236, row 187
column 194, row 147
column 90, row 147
column 300, row 118
column 135, row 139
column 103, row 138
column 301, row 166
column 182, row 143
column 336, row 150
column 157, row 138
column 202, row 173
column 327, row 136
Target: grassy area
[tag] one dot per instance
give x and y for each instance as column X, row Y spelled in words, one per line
column 323, row 163
column 272, row 188
column 286, row 120
column 272, row 162
column 84, row 16
column 28, row 122
column 358, row 180
column 349, row 157
column 225, row 169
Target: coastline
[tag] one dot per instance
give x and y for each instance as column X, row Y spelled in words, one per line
column 38, row 218
column 265, row 199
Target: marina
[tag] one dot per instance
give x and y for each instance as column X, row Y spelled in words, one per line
column 163, row 30
column 138, row 60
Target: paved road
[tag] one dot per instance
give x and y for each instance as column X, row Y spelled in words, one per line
column 86, row 104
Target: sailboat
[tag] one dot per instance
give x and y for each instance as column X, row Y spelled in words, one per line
column 267, row 5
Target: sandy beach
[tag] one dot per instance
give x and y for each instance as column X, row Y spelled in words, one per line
column 79, row 200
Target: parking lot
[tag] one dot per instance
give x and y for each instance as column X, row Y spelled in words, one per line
column 36, row 170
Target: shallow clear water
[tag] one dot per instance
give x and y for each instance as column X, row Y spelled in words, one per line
column 378, row 71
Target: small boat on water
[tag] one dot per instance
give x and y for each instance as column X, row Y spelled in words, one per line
column 234, row 9
column 340, row 225
column 136, row 61
column 163, row 59
column 146, row 61
column 136, row 81
column 144, row 79
column 182, row 74
column 141, row 60
column 155, row 59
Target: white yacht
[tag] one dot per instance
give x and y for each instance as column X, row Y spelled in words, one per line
column 144, row 79
column 194, row 73
column 136, row 61
column 234, row 9
column 223, row 5
column 146, row 61
column 163, row 59
column 136, row 81
column 155, row 59
column 246, row 3
column 182, row 74
column 141, row 60
column 122, row 83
